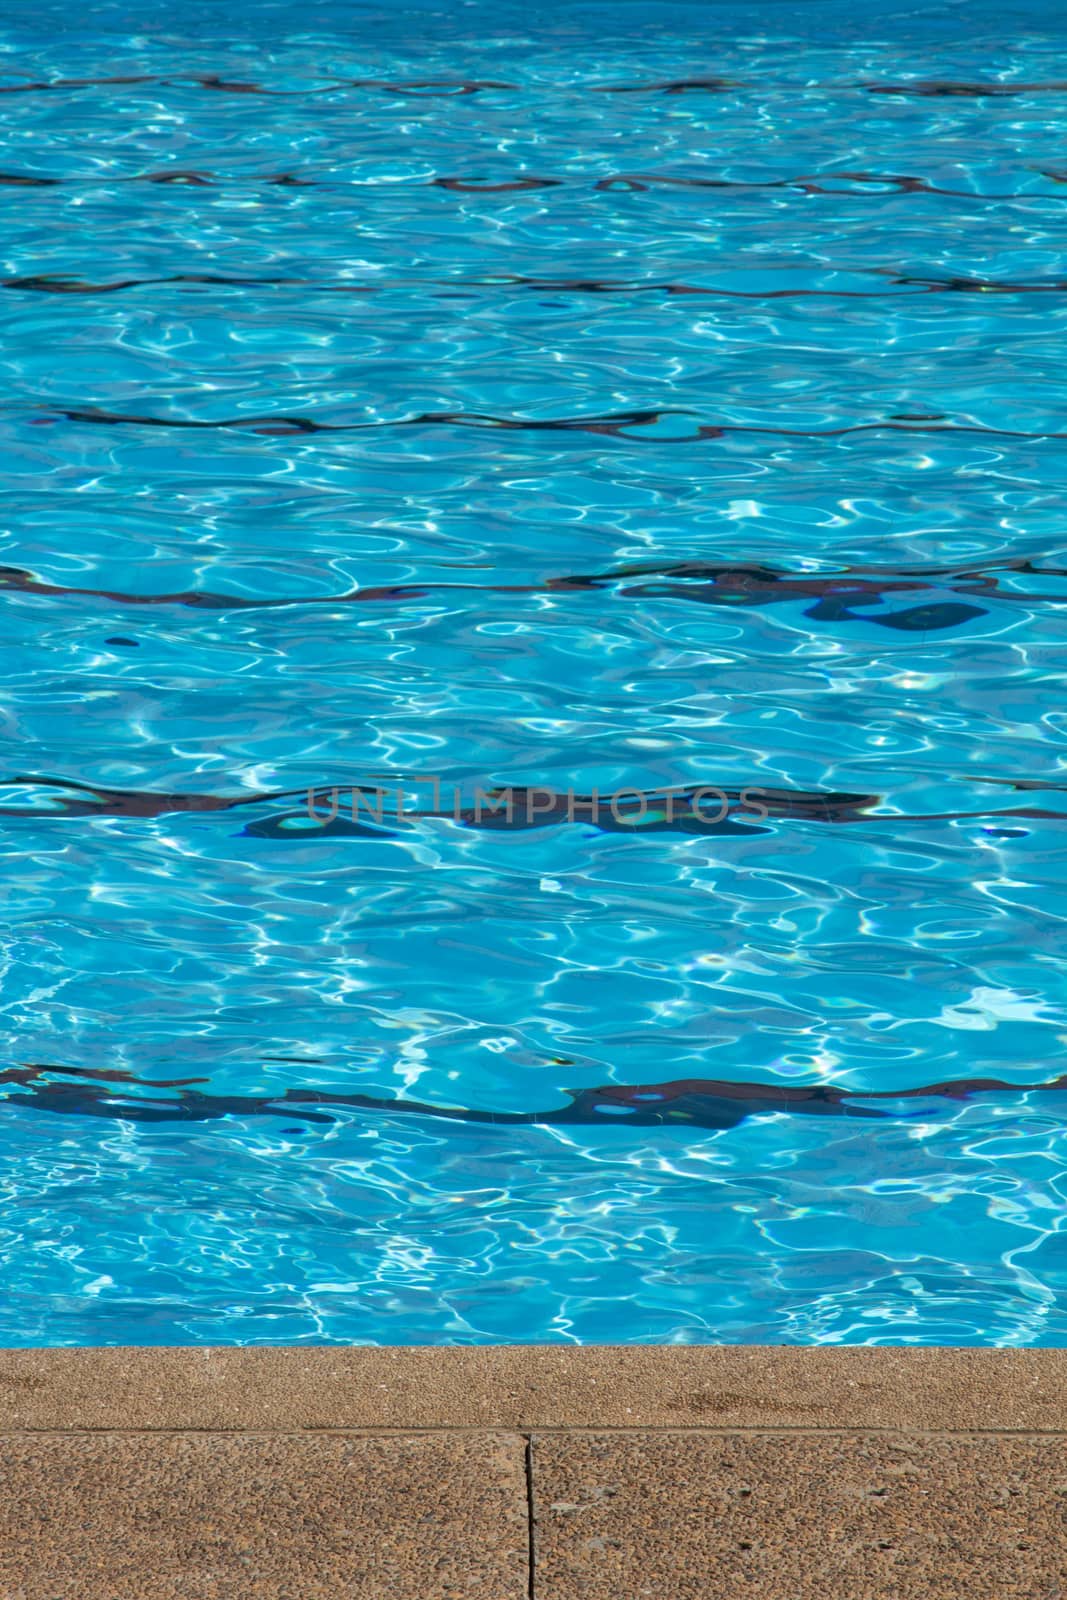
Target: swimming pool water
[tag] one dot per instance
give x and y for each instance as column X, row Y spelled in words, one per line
column 557, row 397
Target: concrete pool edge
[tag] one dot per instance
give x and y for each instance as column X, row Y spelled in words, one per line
column 523, row 1388
column 533, row 1472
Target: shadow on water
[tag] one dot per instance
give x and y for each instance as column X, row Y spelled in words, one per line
column 698, row 1103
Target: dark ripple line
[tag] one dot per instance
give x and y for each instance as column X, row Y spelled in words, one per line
column 513, row 809
column 898, row 184
column 735, row 585
column 452, row 87
column 954, row 89
column 612, row 425
column 531, row 808
column 100, row 802
column 670, row 86
column 505, row 186
column 714, row 1104
column 179, row 177
column 63, row 283
column 925, row 88
column 541, row 806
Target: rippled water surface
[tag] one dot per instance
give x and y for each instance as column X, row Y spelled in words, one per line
column 555, row 400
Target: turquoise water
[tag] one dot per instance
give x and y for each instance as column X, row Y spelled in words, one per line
column 556, row 398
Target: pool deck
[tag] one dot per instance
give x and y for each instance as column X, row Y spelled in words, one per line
column 547, row 1472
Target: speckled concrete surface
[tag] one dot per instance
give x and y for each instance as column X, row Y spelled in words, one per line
column 532, row 1386
column 405, row 1474
column 800, row 1517
column 116, row 1516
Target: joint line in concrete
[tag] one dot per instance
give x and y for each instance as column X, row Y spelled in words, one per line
column 531, row 1522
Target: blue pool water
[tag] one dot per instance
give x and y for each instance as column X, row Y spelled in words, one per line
column 564, row 397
